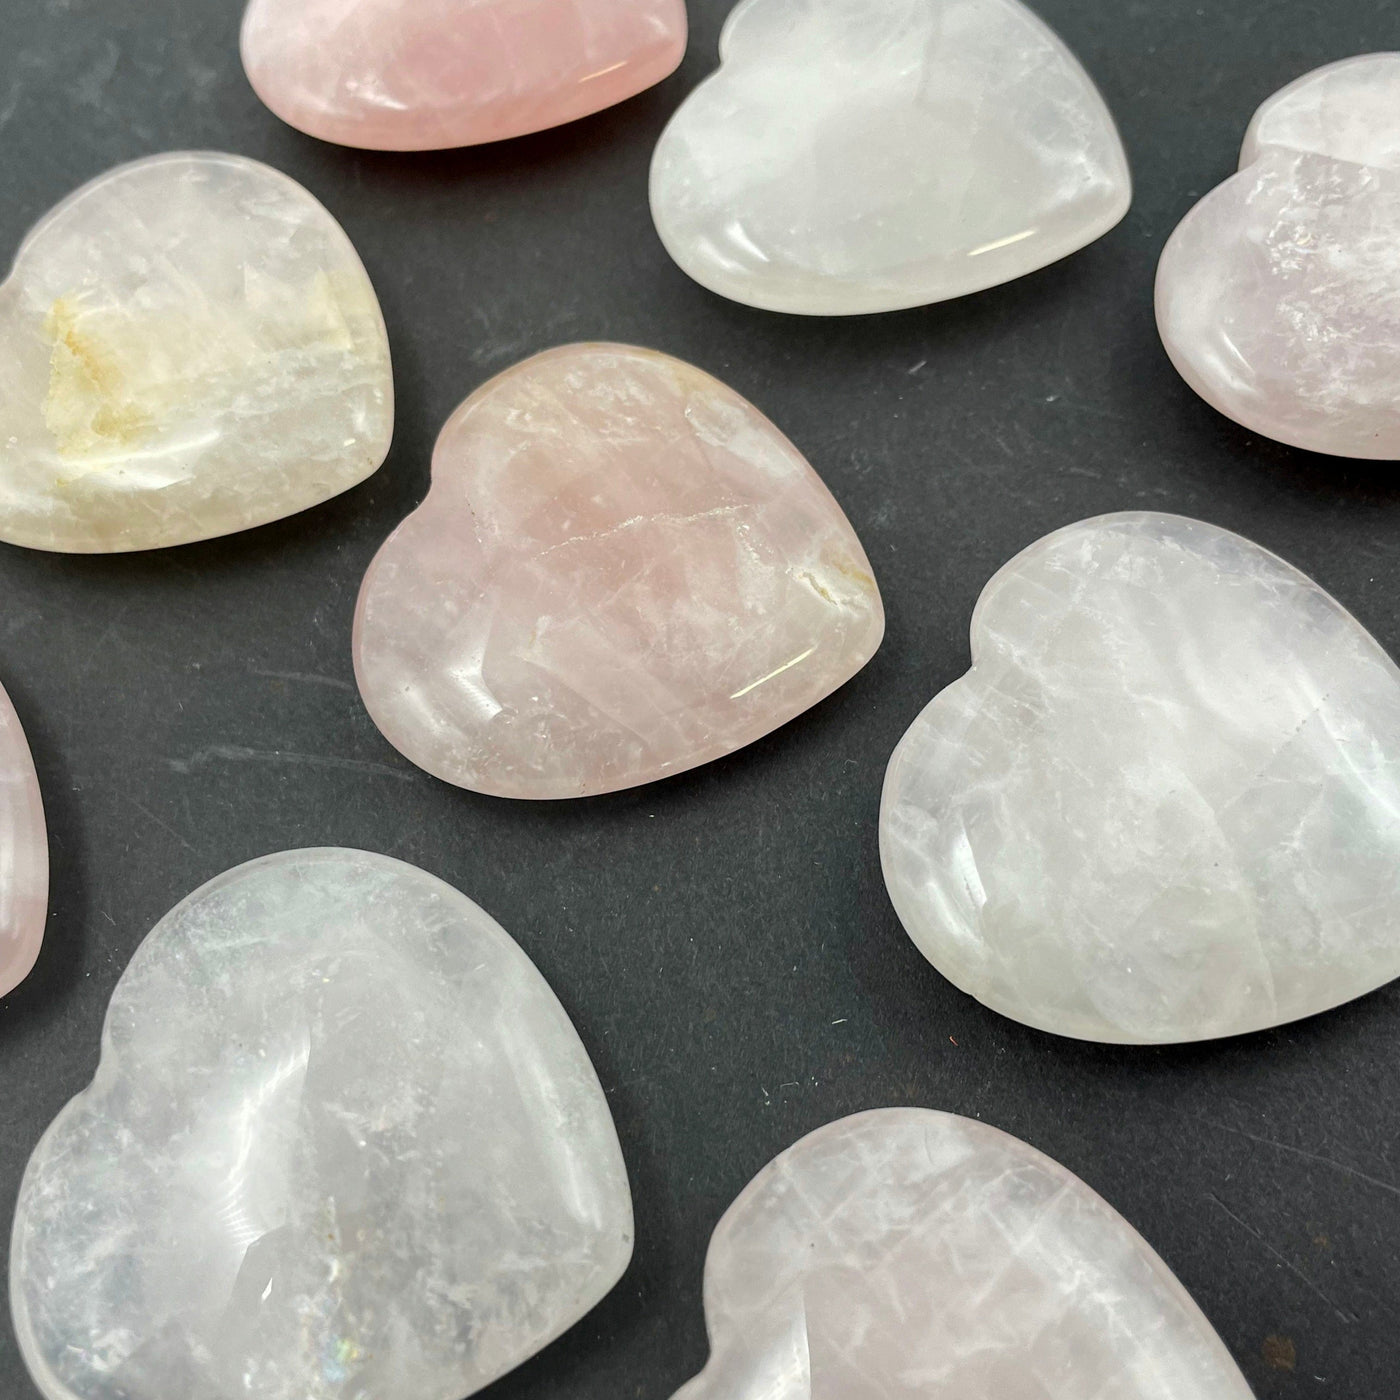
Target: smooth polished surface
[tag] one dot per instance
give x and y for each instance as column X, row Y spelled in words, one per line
column 416, row 75
column 24, row 854
column 189, row 346
column 1164, row 804
column 622, row 570
column 1278, row 296
column 867, row 155
column 911, row 1255
column 343, row 1144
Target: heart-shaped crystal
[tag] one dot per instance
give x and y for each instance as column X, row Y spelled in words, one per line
column 622, row 570
column 1278, row 296
column 396, row 76
column 188, row 346
column 913, row 1255
column 866, row 155
column 24, row 854
column 342, row 1142
column 1164, row 804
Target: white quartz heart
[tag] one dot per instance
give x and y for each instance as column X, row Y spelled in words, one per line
column 867, row 155
column 1164, row 804
column 343, row 1144
column 189, row 346
column 911, row 1255
column 1278, row 296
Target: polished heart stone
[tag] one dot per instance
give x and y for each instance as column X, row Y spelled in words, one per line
column 427, row 74
column 1278, row 296
column 342, row 1143
column 1164, row 804
column 622, row 570
column 913, row 1255
column 24, row 854
column 188, row 346
column 866, row 155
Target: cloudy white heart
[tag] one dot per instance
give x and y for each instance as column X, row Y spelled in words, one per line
column 868, row 155
column 1164, row 803
column 342, row 1140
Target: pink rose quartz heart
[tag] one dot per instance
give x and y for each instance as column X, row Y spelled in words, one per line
column 622, row 570
column 24, row 854
column 418, row 75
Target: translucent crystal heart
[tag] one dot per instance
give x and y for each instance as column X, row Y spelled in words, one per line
column 1278, row 296
column 342, row 1142
column 1164, row 804
column 622, row 570
column 24, row 854
column 912, row 1255
column 866, row 155
column 393, row 76
column 188, row 346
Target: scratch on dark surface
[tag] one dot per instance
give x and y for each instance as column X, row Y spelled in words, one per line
column 11, row 103
column 233, row 753
column 164, row 825
column 304, row 678
column 1317, row 1157
column 1297, row 1273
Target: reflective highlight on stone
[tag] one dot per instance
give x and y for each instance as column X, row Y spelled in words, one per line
column 24, row 854
column 867, row 155
column 1164, row 803
column 417, row 76
column 189, row 346
column 343, row 1142
column 622, row 570
column 913, row 1255
column 1278, row 296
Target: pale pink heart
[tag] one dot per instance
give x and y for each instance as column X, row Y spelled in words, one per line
column 417, row 75
column 24, row 854
column 622, row 570
column 1278, row 295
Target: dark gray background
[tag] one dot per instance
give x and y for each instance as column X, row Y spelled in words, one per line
column 722, row 940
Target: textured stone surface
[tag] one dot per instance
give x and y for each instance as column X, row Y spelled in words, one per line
column 188, row 346
column 343, row 1143
column 622, row 570
column 1164, row 804
column 1278, row 296
column 416, row 76
column 866, row 155
column 24, row 854
column 912, row 1255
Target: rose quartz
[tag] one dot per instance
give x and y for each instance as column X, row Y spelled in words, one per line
column 417, row 75
column 1278, row 296
column 622, row 570
column 24, row 854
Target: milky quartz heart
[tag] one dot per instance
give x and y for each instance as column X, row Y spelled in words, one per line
column 912, row 1255
column 622, row 570
column 188, row 346
column 866, row 155
column 1278, row 296
column 1164, row 804
column 413, row 75
column 24, row 854
column 342, row 1144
